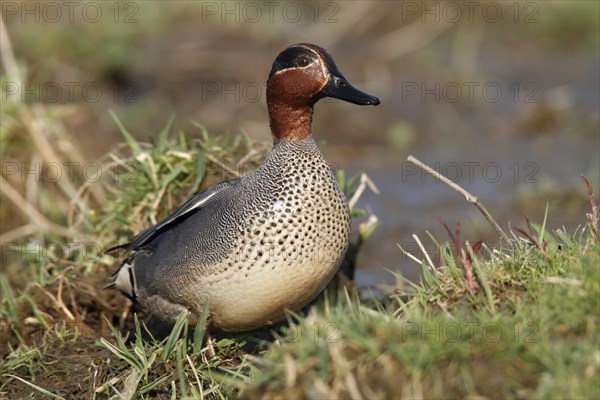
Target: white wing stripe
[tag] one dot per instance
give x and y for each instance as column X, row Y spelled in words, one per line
column 198, row 204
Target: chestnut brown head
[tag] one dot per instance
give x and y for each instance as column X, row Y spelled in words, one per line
column 304, row 73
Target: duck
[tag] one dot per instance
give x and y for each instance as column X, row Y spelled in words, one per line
column 254, row 248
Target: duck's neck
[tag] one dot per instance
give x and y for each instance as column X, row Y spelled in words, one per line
column 290, row 122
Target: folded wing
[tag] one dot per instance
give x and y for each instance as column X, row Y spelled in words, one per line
column 187, row 209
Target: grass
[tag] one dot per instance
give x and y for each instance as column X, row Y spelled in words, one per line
column 532, row 334
column 525, row 326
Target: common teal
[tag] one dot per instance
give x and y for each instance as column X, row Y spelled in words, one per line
column 259, row 245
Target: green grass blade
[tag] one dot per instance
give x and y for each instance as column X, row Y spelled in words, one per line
column 163, row 135
column 155, row 383
column 543, row 231
column 200, row 171
column 171, row 343
column 203, row 132
column 183, row 383
column 7, row 299
column 355, row 178
column 341, row 177
column 133, row 144
column 36, row 387
column 200, row 329
column 123, row 354
column 483, row 280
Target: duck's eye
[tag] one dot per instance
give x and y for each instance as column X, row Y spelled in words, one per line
column 302, row 61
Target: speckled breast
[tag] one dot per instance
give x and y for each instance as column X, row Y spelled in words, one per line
column 293, row 238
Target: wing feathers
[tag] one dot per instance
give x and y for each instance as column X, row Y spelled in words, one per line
column 187, row 209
